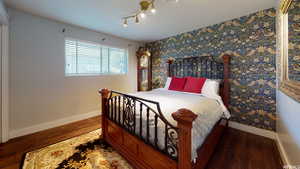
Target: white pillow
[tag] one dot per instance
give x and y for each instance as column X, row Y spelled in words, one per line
column 168, row 83
column 211, row 87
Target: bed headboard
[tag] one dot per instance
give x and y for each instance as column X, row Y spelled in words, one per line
column 203, row 66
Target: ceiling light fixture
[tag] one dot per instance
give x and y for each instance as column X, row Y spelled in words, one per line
column 137, row 19
column 125, row 24
column 153, row 10
column 143, row 15
column 145, row 6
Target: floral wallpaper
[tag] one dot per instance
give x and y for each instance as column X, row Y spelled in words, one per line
column 251, row 41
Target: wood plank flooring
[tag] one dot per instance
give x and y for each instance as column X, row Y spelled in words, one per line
column 12, row 152
column 241, row 150
column 237, row 150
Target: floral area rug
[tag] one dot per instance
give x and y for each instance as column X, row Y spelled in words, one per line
column 87, row 151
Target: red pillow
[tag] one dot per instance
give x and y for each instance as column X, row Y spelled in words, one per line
column 177, row 83
column 194, row 85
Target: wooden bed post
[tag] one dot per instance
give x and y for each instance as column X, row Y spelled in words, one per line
column 226, row 87
column 170, row 61
column 104, row 98
column 184, row 118
column 169, row 69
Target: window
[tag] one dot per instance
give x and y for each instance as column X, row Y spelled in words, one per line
column 86, row 58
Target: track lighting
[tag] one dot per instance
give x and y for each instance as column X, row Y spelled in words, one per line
column 145, row 6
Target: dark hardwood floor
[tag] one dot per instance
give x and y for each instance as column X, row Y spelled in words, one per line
column 241, row 150
column 237, row 150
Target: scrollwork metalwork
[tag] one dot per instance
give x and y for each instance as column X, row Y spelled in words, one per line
column 129, row 114
column 129, row 111
column 172, row 142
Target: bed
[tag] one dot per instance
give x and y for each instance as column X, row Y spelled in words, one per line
column 164, row 129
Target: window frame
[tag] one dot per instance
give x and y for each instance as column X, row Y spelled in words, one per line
column 95, row 74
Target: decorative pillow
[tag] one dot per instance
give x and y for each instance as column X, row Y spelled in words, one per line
column 211, row 87
column 194, row 85
column 168, row 83
column 177, row 83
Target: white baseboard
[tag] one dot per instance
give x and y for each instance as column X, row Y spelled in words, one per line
column 253, row 130
column 51, row 124
column 282, row 152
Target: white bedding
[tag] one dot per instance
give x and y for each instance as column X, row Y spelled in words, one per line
column 208, row 108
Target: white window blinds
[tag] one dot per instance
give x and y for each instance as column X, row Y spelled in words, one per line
column 84, row 58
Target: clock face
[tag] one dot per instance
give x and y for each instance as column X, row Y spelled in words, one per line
column 144, row 61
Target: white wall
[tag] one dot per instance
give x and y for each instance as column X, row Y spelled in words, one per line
column 288, row 127
column 3, row 13
column 3, row 44
column 39, row 91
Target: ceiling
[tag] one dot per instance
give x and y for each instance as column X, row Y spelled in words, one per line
column 171, row 18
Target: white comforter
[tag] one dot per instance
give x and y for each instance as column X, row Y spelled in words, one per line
column 208, row 108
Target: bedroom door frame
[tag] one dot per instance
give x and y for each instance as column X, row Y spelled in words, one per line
column 4, row 83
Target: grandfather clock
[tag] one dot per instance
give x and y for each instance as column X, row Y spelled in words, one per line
column 144, row 69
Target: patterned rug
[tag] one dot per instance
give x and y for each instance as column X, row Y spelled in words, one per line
column 87, row 151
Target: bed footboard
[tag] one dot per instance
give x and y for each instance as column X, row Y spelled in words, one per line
column 130, row 125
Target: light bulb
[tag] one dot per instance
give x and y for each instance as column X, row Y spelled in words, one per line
column 125, row 24
column 153, row 10
column 137, row 20
column 143, row 15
